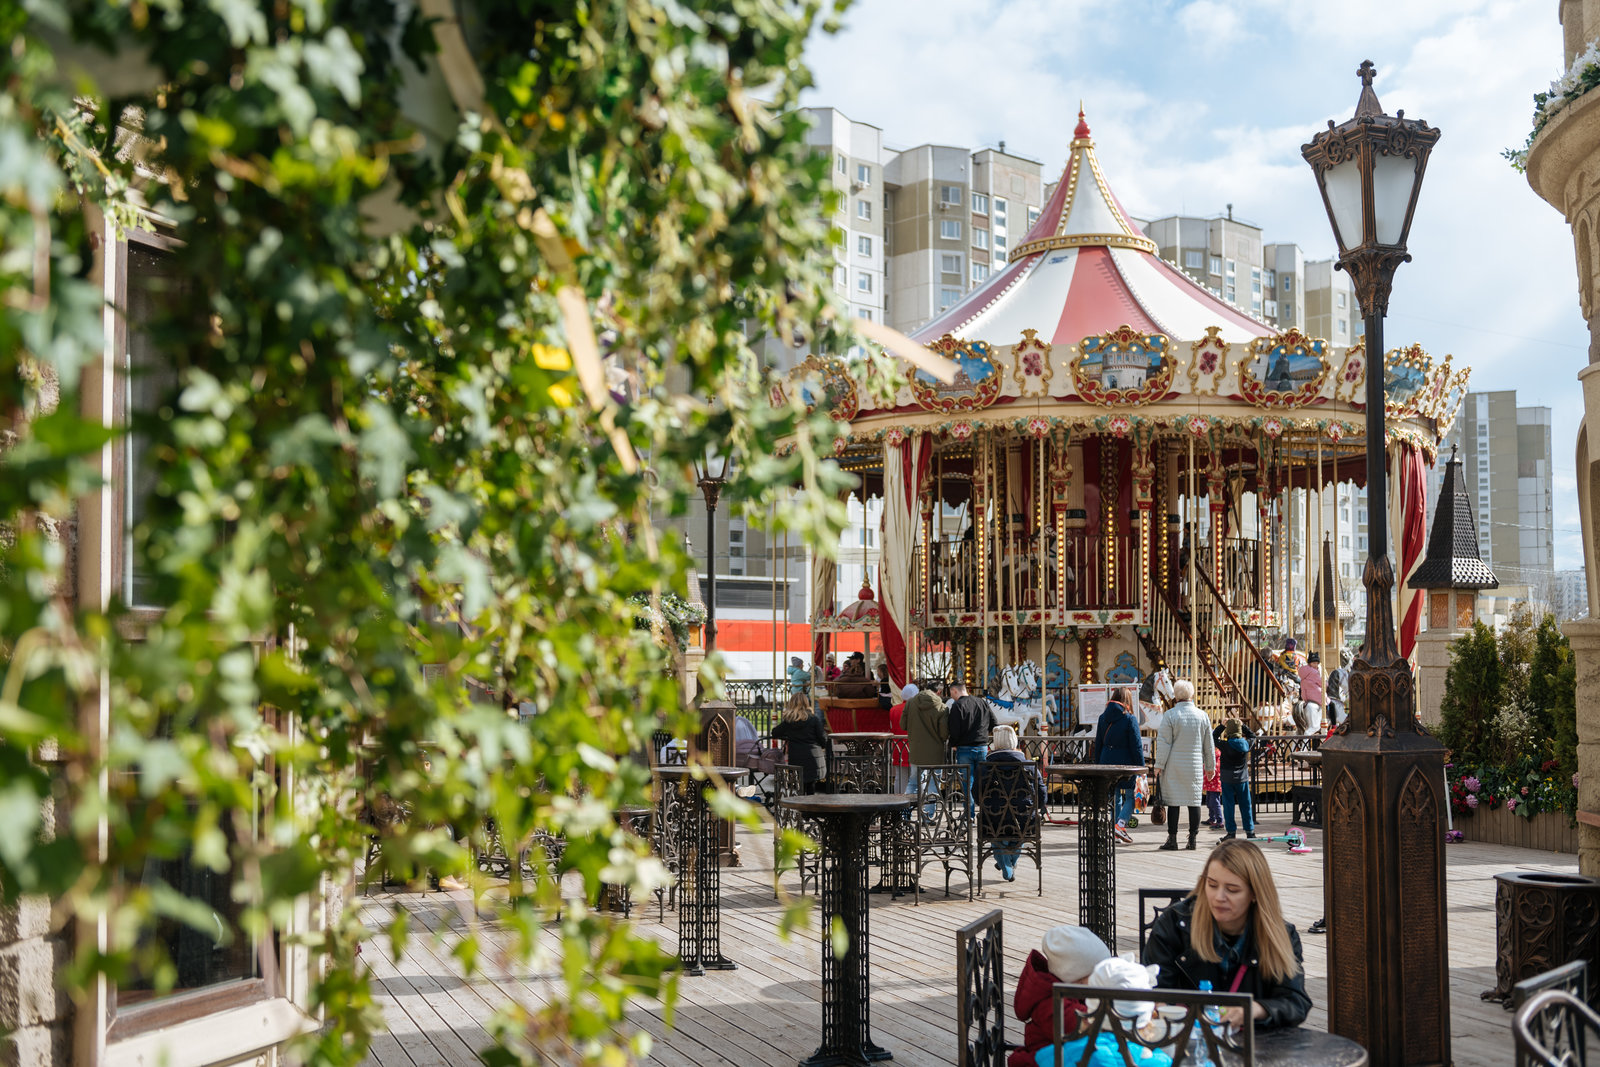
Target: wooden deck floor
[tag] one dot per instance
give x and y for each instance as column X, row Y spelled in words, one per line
column 767, row 1012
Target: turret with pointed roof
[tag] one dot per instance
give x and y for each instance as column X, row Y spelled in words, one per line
column 1452, row 561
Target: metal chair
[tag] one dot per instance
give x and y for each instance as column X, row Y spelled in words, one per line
column 1011, row 803
column 1111, row 1014
column 1148, row 914
column 1572, row 977
column 787, row 782
column 981, row 993
column 1554, row 1029
column 941, row 822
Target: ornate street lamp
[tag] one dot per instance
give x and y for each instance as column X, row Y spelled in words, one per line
column 1383, row 797
column 711, row 472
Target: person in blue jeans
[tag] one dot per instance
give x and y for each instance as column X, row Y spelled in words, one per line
column 1117, row 741
column 1234, row 742
column 971, row 724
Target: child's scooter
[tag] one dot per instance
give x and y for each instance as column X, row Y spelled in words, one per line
column 1295, row 839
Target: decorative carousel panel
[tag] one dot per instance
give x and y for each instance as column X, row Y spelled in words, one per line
column 1436, row 395
column 976, row 384
column 1283, row 371
column 1454, row 394
column 826, row 384
column 1031, row 364
column 1352, row 375
column 1208, row 363
column 1405, row 377
column 1123, row 367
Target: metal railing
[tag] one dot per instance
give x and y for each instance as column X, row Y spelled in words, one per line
column 1100, row 572
column 1274, row 772
column 1235, row 660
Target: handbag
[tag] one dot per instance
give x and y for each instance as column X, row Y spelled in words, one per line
column 1158, row 810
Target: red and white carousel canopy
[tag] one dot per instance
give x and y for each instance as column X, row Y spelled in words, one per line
column 1085, row 269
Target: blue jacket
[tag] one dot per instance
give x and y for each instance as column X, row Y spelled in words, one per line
column 1233, row 756
column 1116, row 738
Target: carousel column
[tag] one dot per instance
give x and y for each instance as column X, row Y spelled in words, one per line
column 1060, row 499
column 1172, row 526
column 1143, row 485
column 978, row 674
column 924, row 584
column 1215, row 486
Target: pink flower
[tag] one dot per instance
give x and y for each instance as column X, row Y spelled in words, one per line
column 1524, row 790
column 1472, row 783
column 1471, row 801
column 1511, row 805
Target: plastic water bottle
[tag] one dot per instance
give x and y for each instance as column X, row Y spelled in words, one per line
column 1198, row 1054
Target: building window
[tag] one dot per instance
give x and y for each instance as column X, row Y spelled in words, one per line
column 999, row 212
column 863, row 209
column 1338, row 327
column 843, row 165
column 1033, row 216
column 1231, row 268
column 1338, row 301
column 863, row 246
column 1272, row 279
column 1231, row 296
column 864, row 313
column 863, row 174
column 841, row 277
column 948, row 298
column 1344, row 541
column 980, row 203
column 950, row 229
column 1216, row 264
column 1194, row 259
column 949, row 263
column 864, row 282
column 980, row 237
column 999, row 242
column 1272, row 309
column 1288, row 283
column 736, row 530
column 949, row 194
column 980, row 272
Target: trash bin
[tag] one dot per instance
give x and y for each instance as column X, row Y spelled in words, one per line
column 1542, row 920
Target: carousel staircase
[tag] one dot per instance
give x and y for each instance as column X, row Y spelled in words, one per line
column 1204, row 641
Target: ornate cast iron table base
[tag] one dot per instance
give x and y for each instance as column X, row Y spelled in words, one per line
column 687, row 818
column 1097, row 858
column 846, row 979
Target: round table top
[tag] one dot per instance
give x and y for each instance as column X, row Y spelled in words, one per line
column 860, row 735
column 1095, row 770
column 1296, row 1046
column 1306, row 757
column 674, row 771
column 848, row 803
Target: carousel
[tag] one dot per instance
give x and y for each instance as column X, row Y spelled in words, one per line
column 1106, row 489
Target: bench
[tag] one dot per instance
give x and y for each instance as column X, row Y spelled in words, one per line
column 1307, row 801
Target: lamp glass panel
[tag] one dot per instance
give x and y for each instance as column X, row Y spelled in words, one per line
column 1392, row 179
column 1343, row 183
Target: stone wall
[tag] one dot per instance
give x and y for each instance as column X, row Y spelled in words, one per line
column 32, row 1005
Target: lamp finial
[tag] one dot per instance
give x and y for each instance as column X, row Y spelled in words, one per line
column 1367, row 106
column 1083, row 124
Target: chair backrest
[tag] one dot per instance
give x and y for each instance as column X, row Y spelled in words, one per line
column 1009, row 798
column 859, row 765
column 1186, row 1022
column 1555, row 1029
column 1152, row 902
column 1573, row 977
column 981, row 993
column 941, row 812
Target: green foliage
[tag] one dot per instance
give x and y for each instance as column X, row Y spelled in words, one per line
column 1553, row 688
column 672, row 613
column 386, row 448
column 1471, row 696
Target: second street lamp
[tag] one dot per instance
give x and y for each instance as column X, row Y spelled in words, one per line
column 712, row 471
column 1383, row 775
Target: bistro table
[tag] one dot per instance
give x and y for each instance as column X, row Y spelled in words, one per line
column 1313, row 759
column 688, row 822
column 1295, row 1046
column 846, row 980
column 1097, row 860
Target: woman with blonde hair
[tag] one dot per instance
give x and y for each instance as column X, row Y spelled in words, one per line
column 806, row 737
column 1231, row 932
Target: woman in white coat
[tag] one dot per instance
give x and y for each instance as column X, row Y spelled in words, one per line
column 1185, row 755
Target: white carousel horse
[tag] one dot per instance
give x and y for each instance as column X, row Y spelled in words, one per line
column 1152, row 712
column 1020, row 701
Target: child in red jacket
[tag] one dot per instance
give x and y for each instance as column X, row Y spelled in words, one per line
column 1066, row 954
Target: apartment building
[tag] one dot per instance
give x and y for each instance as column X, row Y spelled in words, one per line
column 1283, row 272
column 1331, row 311
column 858, row 174
column 952, row 217
column 1223, row 254
column 1506, row 461
column 1570, row 595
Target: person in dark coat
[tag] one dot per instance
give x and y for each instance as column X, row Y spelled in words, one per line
column 1234, row 741
column 1009, row 801
column 1117, row 741
column 854, row 684
column 1067, row 954
column 971, row 723
column 1231, row 932
column 806, row 737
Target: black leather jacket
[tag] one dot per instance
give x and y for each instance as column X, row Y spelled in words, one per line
column 1285, row 1002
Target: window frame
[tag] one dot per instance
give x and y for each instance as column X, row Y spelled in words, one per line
column 980, row 204
column 229, row 1020
column 864, row 173
column 946, row 225
column 946, row 259
column 864, row 245
column 863, row 281
column 863, row 209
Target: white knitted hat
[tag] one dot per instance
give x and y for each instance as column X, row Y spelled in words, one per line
column 909, row 691
column 1073, row 952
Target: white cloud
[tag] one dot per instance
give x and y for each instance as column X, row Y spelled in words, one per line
column 1211, row 22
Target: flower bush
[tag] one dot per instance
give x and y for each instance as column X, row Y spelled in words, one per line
column 1583, row 75
column 1528, row 787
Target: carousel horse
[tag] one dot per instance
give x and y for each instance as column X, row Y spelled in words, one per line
column 1156, row 695
column 1019, row 702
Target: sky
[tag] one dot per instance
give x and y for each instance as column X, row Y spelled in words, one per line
column 1197, row 104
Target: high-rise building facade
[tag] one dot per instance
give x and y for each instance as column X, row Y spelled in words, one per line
column 1223, row 254
column 1331, row 311
column 952, row 217
column 1506, row 460
column 858, row 159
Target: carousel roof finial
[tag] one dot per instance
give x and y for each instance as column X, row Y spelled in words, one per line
column 1452, row 561
column 1082, row 132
